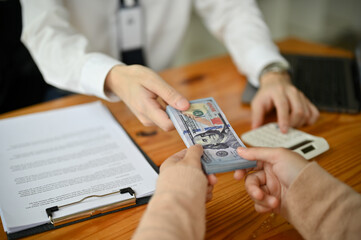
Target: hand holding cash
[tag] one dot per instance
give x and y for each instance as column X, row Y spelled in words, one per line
column 204, row 123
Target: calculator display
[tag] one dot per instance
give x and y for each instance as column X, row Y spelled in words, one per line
column 308, row 149
column 298, row 145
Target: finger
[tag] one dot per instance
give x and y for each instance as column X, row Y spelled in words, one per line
column 212, row 179
column 209, row 197
column 253, row 185
column 307, row 110
column 210, row 188
column 314, row 113
column 194, row 154
column 159, row 117
column 149, row 112
column 168, row 94
column 156, row 114
column 262, row 209
column 299, row 111
column 259, row 109
column 259, row 192
column 282, row 109
column 143, row 119
column 255, row 193
column 268, row 201
column 239, row 174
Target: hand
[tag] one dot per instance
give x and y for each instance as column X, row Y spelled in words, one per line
column 276, row 169
column 293, row 108
column 190, row 157
column 139, row 87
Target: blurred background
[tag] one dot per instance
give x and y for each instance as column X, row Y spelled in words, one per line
column 332, row 22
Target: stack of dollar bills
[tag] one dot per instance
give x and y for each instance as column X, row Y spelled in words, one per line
column 204, row 123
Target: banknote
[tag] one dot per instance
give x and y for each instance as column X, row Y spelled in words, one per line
column 204, row 123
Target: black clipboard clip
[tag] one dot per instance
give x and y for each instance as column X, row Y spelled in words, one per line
column 89, row 213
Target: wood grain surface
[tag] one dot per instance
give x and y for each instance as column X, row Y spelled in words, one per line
column 230, row 215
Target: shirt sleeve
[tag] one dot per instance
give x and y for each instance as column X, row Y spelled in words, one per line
column 177, row 208
column 63, row 55
column 240, row 26
column 322, row 207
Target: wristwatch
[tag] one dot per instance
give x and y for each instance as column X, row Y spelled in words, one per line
column 277, row 67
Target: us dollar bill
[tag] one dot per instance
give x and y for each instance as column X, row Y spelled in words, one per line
column 204, row 123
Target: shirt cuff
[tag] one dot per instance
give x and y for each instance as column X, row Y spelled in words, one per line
column 257, row 59
column 94, row 72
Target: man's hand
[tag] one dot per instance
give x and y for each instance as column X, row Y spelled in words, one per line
column 276, row 169
column 192, row 158
column 293, row 108
column 139, row 87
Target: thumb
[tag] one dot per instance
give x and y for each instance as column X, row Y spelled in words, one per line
column 194, row 154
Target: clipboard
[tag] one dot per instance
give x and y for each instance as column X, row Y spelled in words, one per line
column 90, row 215
column 93, row 213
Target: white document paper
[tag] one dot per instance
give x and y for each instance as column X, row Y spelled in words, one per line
column 61, row 156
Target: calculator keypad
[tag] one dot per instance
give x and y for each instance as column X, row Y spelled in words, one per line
column 270, row 136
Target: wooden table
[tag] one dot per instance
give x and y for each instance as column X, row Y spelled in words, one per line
column 230, row 215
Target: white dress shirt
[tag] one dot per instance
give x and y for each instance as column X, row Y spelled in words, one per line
column 75, row 43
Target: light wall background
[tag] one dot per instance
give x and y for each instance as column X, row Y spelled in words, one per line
column 332, row 22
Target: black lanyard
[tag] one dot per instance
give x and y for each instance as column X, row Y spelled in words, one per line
column 131, row 34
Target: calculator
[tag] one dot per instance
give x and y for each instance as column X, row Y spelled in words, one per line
column 269, row 135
